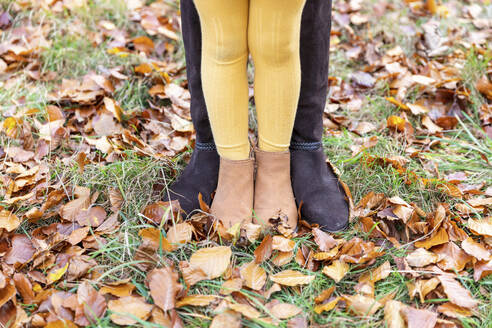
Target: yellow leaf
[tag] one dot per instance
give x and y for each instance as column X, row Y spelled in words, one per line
column 291, row 278
column 212, row 261
column 337, row 270
column 57, row 274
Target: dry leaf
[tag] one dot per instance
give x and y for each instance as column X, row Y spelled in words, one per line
column 264, row 250
column 330, row 305
column 126, row 308
column 253, row 275
column 475, row 249
column 285, row 310
column 362, row 305
column 196, row 300
column 438, row 238
column 421, row 257
column 164, row 286
column 229, row 319
column 8, row 220
column 457, row 293
column 283, row 244
column 291, row 278
column 324, row 241
column 392, row 314
column 481, row 227
column 231, row 285
column 246, row 310
column 419, row 318
column 337, row 270
column 212, row 261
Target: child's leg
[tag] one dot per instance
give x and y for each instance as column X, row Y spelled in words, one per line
column 224, row 25
column 273, row 40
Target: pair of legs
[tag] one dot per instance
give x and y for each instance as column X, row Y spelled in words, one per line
column 270, row 31
column 314, row 183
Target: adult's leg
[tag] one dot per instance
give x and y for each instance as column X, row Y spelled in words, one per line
column 315, row 185
column 201, row 173
column 273, row 39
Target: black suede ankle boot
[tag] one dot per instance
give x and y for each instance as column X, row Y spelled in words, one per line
column 315, row 185
column 201, row 173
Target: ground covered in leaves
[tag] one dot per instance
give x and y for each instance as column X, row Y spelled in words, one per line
column 95, row 111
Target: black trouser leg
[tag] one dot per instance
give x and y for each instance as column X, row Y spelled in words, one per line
column 314, row 183
column 201, row 173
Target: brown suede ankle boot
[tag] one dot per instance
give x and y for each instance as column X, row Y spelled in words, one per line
column 273, row 188
column 233, row 201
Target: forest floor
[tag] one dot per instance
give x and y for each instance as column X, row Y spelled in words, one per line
column 95, row 112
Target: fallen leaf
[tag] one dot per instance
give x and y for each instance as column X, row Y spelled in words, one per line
column 438, row 238
column 125, row 309
column 229, row 319
column 196, row 300
column 91, row 304
column 392, row 314
column 379, row 273
column 324, row 241
column 362, row 305
column 417, row 318
column 451, row 257
column 481, row 227
column 454, row 311
column 213, row 261
column 330, row 305
column 70, row 210
column 421, row 257
column 253, row 275
column 180, row 233
column 264, row 250
column 246, row 310
column 291, row 278
column 475, row 249
column 337, row 270
column 456, row 293
column 164, row 286
column 8, row 220
column 285, row 310
column 283, row 244
column 230, row 286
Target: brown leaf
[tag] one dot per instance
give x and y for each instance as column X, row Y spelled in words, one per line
column 161, row 211
column 482, row 269
column 437, row 238
column 230, row 286
column 180, row 233
column 283, row 244
column 454, row 311
column 451, row 257
column 70, row 210
column 379, row 273
column 324, row 295
column 92, row 217
column 419, row 318
column 264, row 250
column 421, row 257
column 91, row 304
column 362, row 305
column 213, row 261
column 21, row 251
column 481, row 227
column 284, row 310
column 337, row 270
column 24, row 288
column 252, row 231
column 392, row 314
column 125, row 310
column 246, row 310
column 6, row 294
column 291, row 278
column 164, row 286
column 153, row 239
column 196, row 300
column 8, row 220
column 120, row 288
column 253, row 275
column 457, row 293
column 282, row 258
column 475, row 249
column 320, row 308
column 229, row 319
column 324, row 241
column 191, row 275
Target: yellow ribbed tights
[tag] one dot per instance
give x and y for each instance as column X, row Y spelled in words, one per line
column 270, row 31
